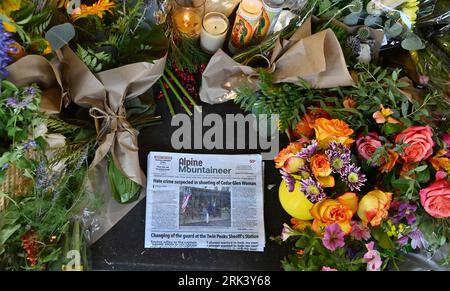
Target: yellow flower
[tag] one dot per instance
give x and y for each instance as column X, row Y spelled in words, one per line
column 99, row 9
column 410, row 8
column 383, row 115
column 8, row 6
column 48, row 49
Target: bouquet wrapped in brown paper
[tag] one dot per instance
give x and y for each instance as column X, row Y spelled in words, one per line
column 316, row 58
column 67, row 79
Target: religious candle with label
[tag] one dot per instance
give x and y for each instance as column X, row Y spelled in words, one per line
column 187, row 17
column 214, row 30
column 247, row 19
column 271, row 12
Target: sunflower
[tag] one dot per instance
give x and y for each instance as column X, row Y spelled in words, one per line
column 410, row 8
column 99, row 8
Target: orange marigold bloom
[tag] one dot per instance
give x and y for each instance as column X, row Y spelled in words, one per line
column 99, row 8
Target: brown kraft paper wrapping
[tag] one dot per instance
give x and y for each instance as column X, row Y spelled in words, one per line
column 316, row 58
column 37, row 69
column 105, row 94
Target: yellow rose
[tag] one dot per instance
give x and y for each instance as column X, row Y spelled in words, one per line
column 328, row 130
column 330, row 211
column 374, row 206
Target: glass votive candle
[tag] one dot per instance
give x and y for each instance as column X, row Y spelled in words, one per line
column 187, row 17
column 214, row 31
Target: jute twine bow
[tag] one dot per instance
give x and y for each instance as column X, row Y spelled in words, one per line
column 111, row 121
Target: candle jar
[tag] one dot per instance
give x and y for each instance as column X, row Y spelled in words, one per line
column 222, row 6
column 187, row 17
column 214, row 31
column 245, row 24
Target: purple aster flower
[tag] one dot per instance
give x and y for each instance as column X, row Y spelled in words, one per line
column 402, row 240
column 404, row 210
column 372, row 258
column 4, row 167
column 333, row 237
column 29, row 144
column 353, row 177
column 417, row 239
column 339, row 156
column 312, row 190
column 290, row 181
column 30, row 90
column 5, row 48
column 308, row 151
column 359, row 231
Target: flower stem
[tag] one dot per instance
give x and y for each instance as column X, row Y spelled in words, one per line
column 183, row 90
column 177, row 95
column 166, row 96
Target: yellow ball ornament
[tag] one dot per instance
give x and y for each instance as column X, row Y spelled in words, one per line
column 295, row 203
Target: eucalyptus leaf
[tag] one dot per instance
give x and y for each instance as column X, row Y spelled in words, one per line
column 412, row 42
column 394, row 30
column 60, row 35
column 373, row 21
column 351, row 19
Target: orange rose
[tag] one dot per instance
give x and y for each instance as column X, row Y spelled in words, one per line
column 390, row 163
column 321, row 169
column 374, row 206
column 328, row 130
column 305, row 126
column 330, row 211
column 287, row 160
column 440, row 162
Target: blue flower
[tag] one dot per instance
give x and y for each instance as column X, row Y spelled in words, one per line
column 5, row 48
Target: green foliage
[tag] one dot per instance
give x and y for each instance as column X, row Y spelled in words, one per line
column 185, row 52
column 124, row 38
column 314, row 255
column 44, row 213
column 95, row 61
column 18, row 109
column 289, row 101
column 123, row 188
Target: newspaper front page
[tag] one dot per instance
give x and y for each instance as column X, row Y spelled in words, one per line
column 204, row 201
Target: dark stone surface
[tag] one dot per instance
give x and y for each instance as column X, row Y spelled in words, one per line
column 122, row 248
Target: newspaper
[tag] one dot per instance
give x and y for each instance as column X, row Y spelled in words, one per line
column 204, row 201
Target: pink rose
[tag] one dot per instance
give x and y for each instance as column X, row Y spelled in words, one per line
column 419, row 143
column 367, row 145
column 436, row 197
column 446, row 139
